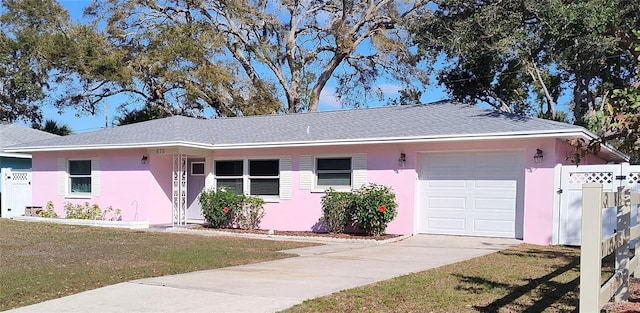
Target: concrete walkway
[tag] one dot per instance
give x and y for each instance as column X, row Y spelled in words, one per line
column 276, row 285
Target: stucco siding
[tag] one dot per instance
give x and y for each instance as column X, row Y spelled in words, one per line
column 141, row 191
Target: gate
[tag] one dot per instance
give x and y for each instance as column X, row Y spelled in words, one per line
column 568, row 185
column 16, row 192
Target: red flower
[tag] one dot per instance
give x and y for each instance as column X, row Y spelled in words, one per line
column 225, row 210
column 382, row 208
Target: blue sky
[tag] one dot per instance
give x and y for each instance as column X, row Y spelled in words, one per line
column 82, row 122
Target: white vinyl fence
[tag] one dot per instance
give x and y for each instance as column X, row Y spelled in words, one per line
column 15, row 195
column 593, row 294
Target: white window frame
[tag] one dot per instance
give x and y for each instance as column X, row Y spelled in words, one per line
column 216, row 177
column 246, row 179
column 322, row 188
column 247, row 186
column 70, row 177
column 203, row 168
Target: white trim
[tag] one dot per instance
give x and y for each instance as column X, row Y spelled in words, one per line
column 62, row 177
column 575, row 132
column 15, row 155
column 305, row 172
column 96, row 186
column 286, row 177
column 557, row 184
column 204, row 168
column 70, row 193
column 161, row 144
column 323, row 188
column 359, row 170
column 209, row 181
column 246, row 178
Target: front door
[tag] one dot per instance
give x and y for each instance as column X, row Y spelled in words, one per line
column 195, row 181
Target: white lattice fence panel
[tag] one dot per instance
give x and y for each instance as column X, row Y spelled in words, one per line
column 20, row 177
column 633, row 178
column 576, row 179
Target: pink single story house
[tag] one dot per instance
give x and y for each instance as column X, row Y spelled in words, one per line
column 456, row 169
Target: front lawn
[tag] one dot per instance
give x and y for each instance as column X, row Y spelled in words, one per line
column 526, row 278
column 41, row 261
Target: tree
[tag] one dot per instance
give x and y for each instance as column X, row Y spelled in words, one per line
column 521, row 56
column 51, row 126
column 617, row 121
column 31, row 38
column 148, row 112
column 243, row 57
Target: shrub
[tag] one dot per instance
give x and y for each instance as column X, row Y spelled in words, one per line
column 251, row 213
column 48, row 211
column 219, row 206
column 374, row 207
column 84, row 211
column 337, row 210
column 110, row 214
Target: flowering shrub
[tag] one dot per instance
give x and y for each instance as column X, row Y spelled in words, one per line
column 49, row 211
column 373, row 208
column 251, row 213
column 220, row 206
column 84, row 211
column 337, row 210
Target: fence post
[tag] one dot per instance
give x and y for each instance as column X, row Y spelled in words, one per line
column 590, row 250
column 622, row 252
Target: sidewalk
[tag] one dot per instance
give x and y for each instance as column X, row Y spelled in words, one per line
column 276, row 285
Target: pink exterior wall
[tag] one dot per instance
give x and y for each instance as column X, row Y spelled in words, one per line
column 125, row 182
column 303, row 211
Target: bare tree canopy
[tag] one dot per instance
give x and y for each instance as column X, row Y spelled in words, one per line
column 247, row 57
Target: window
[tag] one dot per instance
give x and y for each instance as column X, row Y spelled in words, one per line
column 197, row 169
column 80, row 176
column 258, row 178
column 229, row 175
column 263, row 177
column 333, row 172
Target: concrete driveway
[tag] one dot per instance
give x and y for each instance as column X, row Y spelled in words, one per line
column 276, row 285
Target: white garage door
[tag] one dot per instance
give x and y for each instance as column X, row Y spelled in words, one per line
column 471, row 193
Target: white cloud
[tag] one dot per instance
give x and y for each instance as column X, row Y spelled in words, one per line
column 328, row 98
column 390, row 89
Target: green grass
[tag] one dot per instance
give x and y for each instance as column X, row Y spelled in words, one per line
column 526, row 278
column 40, row 261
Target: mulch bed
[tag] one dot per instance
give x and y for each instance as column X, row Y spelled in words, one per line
column 301, row 233
column 633, row 306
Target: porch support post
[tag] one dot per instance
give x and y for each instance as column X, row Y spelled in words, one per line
column 179, row 189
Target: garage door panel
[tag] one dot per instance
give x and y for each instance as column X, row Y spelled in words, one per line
column 470, row 193
column 506, row 185
column 447, row 174
column 494, row 204
column 452, row 203
column 448, row 159
column 496, row 159
column 493, row 227
column 449, row 226
column 447, row 184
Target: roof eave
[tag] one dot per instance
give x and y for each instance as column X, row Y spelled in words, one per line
column 568, row 133
column 413, row 139
column 185, row 144
column 15, row 155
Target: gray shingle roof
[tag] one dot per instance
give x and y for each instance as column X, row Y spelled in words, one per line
column 11, row 134
column 442, row 119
